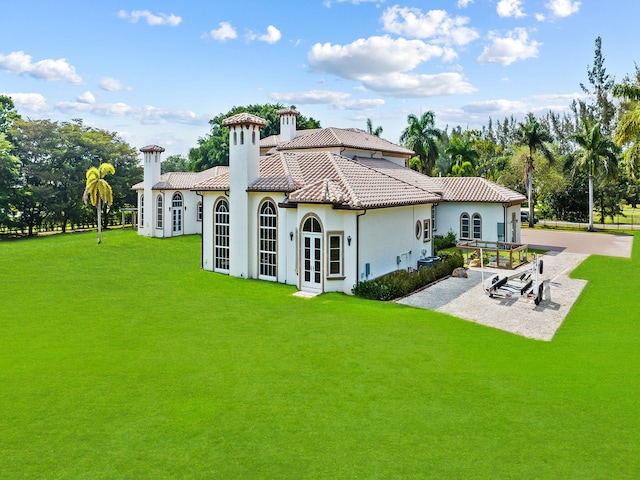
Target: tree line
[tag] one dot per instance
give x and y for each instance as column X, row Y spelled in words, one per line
column 43, row 165
column 568, row 165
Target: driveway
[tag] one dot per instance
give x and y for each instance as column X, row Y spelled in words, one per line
column 465, row 298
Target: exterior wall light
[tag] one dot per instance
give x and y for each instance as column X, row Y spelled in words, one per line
column 291, row 236
column 349, row 240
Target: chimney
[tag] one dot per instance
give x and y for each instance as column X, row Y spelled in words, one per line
column 152, row 158
column 244, row 169
column 287, row 124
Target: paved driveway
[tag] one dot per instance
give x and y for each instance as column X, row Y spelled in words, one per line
column 609, row 244
column 465, row 298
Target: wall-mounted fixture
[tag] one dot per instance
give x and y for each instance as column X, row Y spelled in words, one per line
column 349, row 240
column 291, row 236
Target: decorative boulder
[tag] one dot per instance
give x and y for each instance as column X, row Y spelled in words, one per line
column 475, row 263
column 459, row 272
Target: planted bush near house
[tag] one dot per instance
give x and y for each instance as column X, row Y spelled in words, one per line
column 400, row 283
column 441, row 242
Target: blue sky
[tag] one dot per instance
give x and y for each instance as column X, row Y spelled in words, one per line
column 157, row 71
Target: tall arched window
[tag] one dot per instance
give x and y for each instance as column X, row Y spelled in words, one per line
column 477, row 226
column 221, row 236
column 268, row 240
column 464, row 226
column 159, row 212
column 142, row 210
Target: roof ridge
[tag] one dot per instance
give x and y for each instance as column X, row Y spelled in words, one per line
column 343, row 178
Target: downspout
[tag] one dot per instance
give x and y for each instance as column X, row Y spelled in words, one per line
column 358, row 244
column 202, row 233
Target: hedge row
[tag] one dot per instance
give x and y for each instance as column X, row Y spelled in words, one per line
column 400, row 283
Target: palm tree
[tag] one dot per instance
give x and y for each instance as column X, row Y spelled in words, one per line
column 464, row 157
column 421, row 136
column 98, row 190
column 627, row 132
column 371, row 131
column 533, row 135
column 597, row 152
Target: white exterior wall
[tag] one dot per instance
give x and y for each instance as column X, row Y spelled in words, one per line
column 448, row 217
column 388, row 240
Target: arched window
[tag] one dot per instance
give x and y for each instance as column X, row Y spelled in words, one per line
column 312, row 224
column 268, row 240
column 159, row 212
column 221, row 236
column 477, row 226
column 241, row 137
column 142, row 210
column 464, row 226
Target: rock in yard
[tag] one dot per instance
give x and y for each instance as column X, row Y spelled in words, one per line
column 459, row 272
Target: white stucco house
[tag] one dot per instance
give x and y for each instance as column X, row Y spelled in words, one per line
column 319, row 209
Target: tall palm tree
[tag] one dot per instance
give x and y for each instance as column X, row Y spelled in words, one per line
column 464, row 157
column 373, row 131
column 98, row 190
column 421, row 136
column 533, row 135
column 627, row 132
column 597, row 153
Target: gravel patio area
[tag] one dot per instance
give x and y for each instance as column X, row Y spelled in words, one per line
column 465, row 298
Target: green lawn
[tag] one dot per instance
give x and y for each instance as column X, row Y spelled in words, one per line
column 126, row 361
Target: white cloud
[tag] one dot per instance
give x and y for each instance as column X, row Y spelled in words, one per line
column 371, row 56
column 86, row 97
column 435, row 24
column 563, row 8
column 510, row 8
column 48, row 69
column 147, row 114
column 495, row 107
column 418, row 85
column 338, row 100
column 272, row 35
column 540, row 17
column 223, row 33
column 506, row 50
column 112, row 85
column 152, row 19
column 32, row 102
column 464, row 3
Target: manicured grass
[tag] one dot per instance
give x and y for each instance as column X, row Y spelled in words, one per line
column 125, row 360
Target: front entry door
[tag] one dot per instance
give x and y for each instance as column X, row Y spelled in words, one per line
column 312, row 255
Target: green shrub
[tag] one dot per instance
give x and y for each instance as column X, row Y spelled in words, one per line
column 401, row 283
column 441, row 242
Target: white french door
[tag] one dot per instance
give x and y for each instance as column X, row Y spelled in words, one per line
column 312, row 261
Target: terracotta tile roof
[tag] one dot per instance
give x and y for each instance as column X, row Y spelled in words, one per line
column 274, row 140
column 476, row 189
column 288, row 110
column 344, row 138
column 183, row 180
column 402, row 173
column 243, row 118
